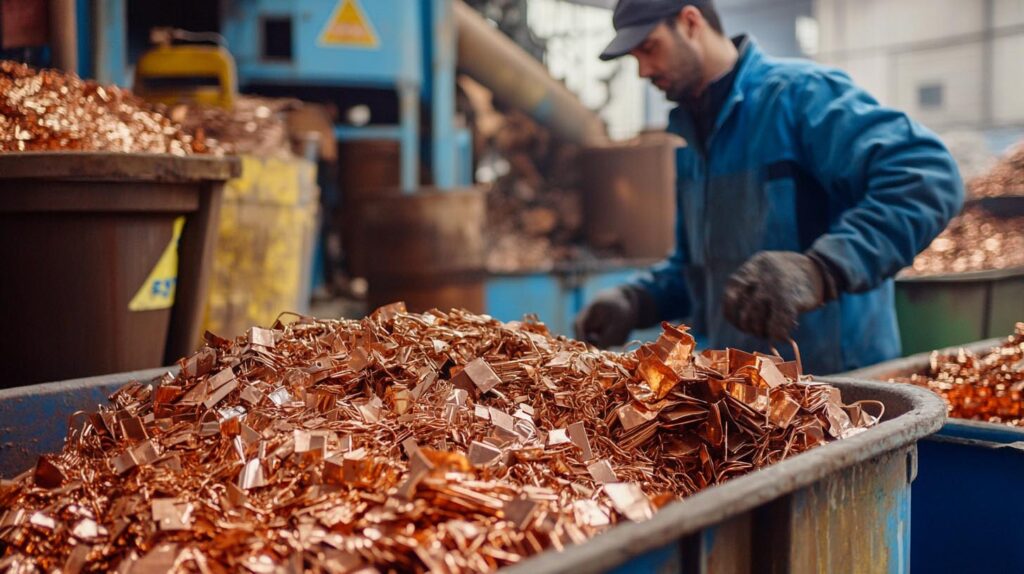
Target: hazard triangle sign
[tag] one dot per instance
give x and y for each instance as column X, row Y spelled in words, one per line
column 349, row 26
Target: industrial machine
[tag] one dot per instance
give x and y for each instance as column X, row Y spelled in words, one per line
column 390, row 58
column 200, row 72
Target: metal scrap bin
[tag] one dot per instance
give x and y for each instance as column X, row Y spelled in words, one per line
column 940, row 311
column 106, row 260
column 841, row 507
column 966, row 506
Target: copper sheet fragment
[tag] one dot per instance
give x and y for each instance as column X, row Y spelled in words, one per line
column 483, row 454
column 629, row 500
column 602, row 472
column 480, row 374
column 251, row 475
column 589, row 513
column 48, row 474
column 520, row 511
column 261, row 337
column 171, row 514
column 578, row 436
column 557, row 437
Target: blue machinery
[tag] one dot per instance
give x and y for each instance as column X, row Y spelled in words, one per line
column 401, row 45
column 404, row 46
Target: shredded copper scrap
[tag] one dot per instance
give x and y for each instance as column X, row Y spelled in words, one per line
column 48, row 110
column 252, row 126
column 984, row 387
column 974, row 241
column 1005, row 178
column 411, row 442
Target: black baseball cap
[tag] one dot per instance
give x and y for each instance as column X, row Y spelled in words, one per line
column 634, row 20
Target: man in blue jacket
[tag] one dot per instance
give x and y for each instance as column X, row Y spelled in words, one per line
column 799, row 198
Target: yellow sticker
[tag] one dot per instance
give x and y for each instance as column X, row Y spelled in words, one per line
column 349, row 26
column 158, row 290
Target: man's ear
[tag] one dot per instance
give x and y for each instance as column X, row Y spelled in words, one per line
column 690, row 22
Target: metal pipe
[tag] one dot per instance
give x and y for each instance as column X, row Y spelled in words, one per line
column 64, row 35
column 443, row 100
column 520, row 81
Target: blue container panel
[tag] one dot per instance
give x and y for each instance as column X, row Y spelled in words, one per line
column 510, row 297
column 598, row 282
column 395, row 59
column 967, row 511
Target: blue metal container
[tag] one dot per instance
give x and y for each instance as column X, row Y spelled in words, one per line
column 967, row 512
column 838, row 508
column 557, row 296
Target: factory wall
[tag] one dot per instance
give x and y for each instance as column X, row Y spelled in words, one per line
column 952, row 64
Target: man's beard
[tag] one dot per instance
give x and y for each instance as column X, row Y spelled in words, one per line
column 685, row 72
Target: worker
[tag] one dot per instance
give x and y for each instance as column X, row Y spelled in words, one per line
column 799, row 197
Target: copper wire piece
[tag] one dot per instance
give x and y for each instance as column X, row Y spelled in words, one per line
column 988, row 386
column 410, row 442
column 48, row 110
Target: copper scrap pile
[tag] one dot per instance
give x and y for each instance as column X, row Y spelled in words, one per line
column 253, row 125
column 974, row 241
column 984, row 387
column 1006, row 178
column 48, row 110
column 441, row 441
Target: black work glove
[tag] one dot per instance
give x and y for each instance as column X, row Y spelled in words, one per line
column 608, row 320
column 766, row 294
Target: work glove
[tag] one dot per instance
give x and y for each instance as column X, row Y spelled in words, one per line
column 767, row 294
column 608, row 320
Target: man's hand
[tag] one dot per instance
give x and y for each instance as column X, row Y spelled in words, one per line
column 766, row 294
column 609, row 318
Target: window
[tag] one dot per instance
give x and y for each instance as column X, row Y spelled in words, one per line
column 277, row 38
column 930, row 96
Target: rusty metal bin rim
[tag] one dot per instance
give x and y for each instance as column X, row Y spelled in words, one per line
column 87, row 383
column 966, row 277
column 117, row 166
column 922, row 414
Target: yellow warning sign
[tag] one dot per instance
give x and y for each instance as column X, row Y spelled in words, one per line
column 349, row 26
column 158, row 290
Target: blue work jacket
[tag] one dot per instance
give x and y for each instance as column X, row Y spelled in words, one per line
column 801, row 159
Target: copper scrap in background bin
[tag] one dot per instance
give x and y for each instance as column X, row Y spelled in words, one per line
column 984, row 387
column 48, row 110
column 441, row 441
column 974, row 241
column 1005, row 178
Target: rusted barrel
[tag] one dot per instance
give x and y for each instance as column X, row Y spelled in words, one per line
column 365, row 169
column 628, row 183
column 105, row 260
column 426, row 248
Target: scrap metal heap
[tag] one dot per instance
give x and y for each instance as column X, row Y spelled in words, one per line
column 48, row 110
column 978, row 240
column 437, row 441
column 1005, row 178
column 975, row 240
column 984, row 387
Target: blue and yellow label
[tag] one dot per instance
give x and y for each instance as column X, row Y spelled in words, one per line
column 158, row 290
